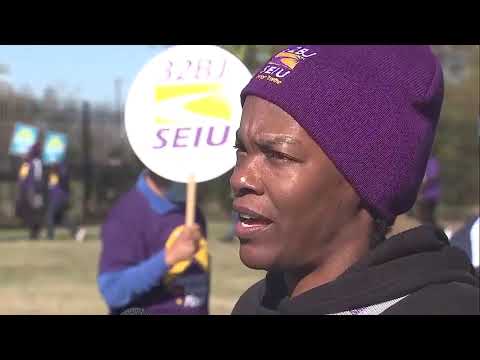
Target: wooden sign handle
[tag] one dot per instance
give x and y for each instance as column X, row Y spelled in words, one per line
column 191, row 197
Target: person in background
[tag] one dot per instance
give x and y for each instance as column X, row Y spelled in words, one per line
column 58, row 183
column 429, row 193
column 150, row 259
column 29, row 204
column 467, row 239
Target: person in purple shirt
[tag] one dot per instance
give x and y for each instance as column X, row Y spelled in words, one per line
column 429, row 193
column 58, row 182
column 150, row 259
column 29, row 202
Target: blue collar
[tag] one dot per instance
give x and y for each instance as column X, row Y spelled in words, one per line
column 158, row 203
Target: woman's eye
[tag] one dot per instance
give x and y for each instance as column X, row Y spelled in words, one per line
column 239, row 149
column 276, row 155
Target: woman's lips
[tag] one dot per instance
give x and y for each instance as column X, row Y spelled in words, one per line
column 250, row 222
column 243, row 230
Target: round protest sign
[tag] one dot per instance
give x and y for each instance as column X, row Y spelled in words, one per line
column 183, row 109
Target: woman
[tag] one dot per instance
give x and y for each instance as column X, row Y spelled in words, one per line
column 332, row 146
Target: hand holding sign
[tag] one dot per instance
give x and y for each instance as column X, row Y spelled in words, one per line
column 182, row 112
column 185, row 246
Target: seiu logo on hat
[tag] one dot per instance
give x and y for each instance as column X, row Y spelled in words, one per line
column 284, row 63
column 287, row 59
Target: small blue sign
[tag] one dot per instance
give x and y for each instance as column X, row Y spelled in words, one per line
column 24, row 137
column 55, row 147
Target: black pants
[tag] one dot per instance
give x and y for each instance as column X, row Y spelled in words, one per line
column 31, row 217
column 57, row 215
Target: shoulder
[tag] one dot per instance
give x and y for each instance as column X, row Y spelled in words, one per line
column 250, row 300
column 129, row 204
column 129, row 209
column 453, row 298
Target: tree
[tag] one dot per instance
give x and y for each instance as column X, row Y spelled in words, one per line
column 455, row 60
column 50, row 99
column 456, row 143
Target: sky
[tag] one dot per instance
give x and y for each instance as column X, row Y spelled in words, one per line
column 87, row 72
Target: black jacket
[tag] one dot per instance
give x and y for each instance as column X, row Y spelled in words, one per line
column 415, row 272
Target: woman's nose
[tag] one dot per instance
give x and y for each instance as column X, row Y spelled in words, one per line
column 245, row 179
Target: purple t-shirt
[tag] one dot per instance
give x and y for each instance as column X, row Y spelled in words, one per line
column 138, row 228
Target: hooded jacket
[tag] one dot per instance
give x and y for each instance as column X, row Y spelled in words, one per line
column 416, row 272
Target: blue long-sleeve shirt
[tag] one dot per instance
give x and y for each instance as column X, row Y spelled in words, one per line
column 119, row 288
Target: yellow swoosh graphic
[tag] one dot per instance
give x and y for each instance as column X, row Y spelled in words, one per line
column 164, row 121
column 213, row 104
column 165, row 92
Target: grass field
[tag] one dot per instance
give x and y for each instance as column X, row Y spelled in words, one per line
column 59, row 277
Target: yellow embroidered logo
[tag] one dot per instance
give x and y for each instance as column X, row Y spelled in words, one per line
column 288, row 59
column 283, row 63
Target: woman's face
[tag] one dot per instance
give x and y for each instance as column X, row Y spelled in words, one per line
column 290, row 197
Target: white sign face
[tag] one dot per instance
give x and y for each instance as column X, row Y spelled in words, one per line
column 183, row 110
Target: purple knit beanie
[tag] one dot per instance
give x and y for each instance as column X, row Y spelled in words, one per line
column 373, row 110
